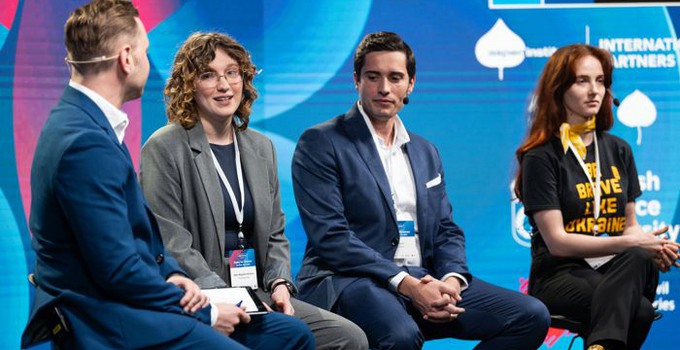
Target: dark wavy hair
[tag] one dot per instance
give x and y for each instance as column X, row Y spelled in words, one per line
column 383, row 41
column 192, row 59
column 558, row 75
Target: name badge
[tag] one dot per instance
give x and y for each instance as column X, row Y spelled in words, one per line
column 407, row 240
column 598, row 261
column 242, row 268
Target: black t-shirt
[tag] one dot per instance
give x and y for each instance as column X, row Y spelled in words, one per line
column 552, row 179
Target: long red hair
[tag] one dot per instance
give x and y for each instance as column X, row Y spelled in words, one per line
column 549, row 111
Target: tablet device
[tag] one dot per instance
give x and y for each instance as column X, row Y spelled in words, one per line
column 241, row 296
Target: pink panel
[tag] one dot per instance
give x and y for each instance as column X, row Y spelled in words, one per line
column 152, row 12
column 9, row 8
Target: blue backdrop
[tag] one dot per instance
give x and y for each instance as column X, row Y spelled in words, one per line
column 478, row 62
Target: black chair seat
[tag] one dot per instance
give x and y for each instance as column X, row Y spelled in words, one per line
column 576, row 327
column 573, row 326
column 563, row 322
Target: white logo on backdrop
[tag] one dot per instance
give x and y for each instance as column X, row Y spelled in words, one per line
column 637, row 111
column 502, row 48
column 521, row 229
column 499, row 48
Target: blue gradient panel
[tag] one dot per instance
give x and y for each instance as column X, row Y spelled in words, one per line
column 300, row 59
column 15, row 287
column 516, row 2
column 3, row 35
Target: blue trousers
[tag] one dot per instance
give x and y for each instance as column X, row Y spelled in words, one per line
column 271, row 331
column 500, row 318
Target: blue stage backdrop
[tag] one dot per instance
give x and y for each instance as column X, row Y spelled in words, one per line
column 478, row 62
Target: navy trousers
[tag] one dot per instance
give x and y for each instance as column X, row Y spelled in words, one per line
column 500, row 318
column 271, row 331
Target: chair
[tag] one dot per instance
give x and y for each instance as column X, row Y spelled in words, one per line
column 578, row 328
column 50, row 327
column 573, row 326
column 31, row 279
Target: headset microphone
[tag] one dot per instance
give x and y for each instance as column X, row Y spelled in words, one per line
column 615, row 100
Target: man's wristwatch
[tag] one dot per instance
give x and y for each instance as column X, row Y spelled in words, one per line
column 288, row 285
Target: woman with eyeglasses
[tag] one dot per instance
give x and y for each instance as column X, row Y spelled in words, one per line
column 213, row 184
column 591, row 261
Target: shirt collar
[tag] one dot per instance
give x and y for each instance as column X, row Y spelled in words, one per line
column 400, row 134
column 116, row 117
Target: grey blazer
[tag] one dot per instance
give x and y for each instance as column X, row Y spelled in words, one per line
column 181, row 184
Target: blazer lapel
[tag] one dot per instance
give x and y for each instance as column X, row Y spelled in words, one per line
column 208, row 174
column 358, row 132
column 255, row 173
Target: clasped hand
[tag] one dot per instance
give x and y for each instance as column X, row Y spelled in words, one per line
column 666, row 251
column 436, row 300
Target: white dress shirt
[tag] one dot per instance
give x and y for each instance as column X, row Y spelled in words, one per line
column 116, row 117
column 402, row 187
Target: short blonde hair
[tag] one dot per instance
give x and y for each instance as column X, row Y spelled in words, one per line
column 92, row 31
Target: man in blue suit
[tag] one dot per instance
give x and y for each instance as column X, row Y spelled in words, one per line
column 104, row 280
column 382, row 248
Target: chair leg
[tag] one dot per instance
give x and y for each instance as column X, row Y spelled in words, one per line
column 572, row 341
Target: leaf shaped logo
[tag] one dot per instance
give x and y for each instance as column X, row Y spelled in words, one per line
column 637, row 111
column 499, row 48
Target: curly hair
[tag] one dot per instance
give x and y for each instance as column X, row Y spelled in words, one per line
column 191, row 60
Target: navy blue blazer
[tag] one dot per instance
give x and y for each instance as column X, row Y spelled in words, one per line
column 346, row 208
column 99, row 255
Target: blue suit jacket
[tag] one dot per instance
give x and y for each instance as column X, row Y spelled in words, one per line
column 99, row 255
column 345, row 203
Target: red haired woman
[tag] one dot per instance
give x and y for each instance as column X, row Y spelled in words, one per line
column 591, row 260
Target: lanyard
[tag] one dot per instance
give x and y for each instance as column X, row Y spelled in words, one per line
column 238, row 209
column 596, row 187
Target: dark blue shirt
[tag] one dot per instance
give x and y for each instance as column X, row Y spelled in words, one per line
column 226, row 156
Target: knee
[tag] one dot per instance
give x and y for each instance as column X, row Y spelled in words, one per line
column 299, row 332
column 402, row 338
column 645, row 314
column 536, row 315
column 638, row 255
column 349, row 336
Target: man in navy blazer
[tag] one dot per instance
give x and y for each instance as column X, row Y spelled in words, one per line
column 104, row 280
column 382, row 248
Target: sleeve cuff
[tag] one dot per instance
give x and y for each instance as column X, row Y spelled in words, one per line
column 394, row 281
column 214, row 312
column 463, row 281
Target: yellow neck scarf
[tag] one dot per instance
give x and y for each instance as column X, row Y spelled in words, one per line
column 572, row 133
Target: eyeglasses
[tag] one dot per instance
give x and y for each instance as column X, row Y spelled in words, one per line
column 208, row 80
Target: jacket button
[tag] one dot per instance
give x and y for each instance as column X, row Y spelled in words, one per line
column 395, row 241
column 160, row 258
